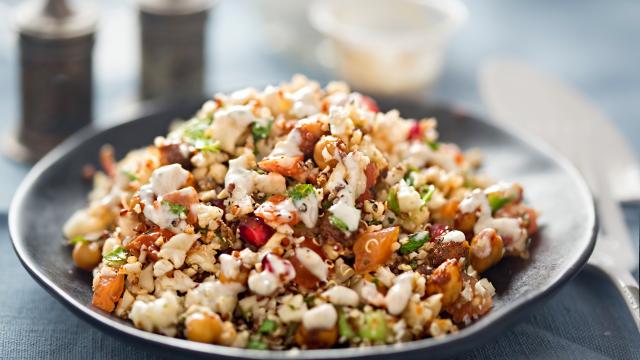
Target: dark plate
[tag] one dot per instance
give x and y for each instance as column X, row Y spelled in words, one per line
column 54, row 189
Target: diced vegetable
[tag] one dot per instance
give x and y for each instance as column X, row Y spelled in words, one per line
column 427, row 192
column 392, row 200
column 338, row 223
column 175, row 208
column 434, row 145
column 496, row 201
column 373, row 326
column 257, row 345
column 254, row 231
column 261, row 131
column 117, row 257
column 301, row 191
column 344, row 328
column 268, row 326
column 131, row 176
column 108, row 292
column 373, row 249
column 415, row 242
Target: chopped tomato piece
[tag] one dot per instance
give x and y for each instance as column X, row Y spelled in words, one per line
column 108, row 292
column 254, row 231
column 415, row 132
column 371, row 172
column 278, row 210
column 370, row 103
column 285, row 165
column 374, row 249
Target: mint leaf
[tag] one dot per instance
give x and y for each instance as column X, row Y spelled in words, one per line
column 338, row 223
column 257, row 345
column 131, row 176
column 117, row 257
column 434, row 145
column 301, row 191
column 175, row 208
column 415, row 242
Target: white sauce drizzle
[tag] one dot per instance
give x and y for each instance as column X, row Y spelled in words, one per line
column 341, row 295
column 321, row 317
column 455, row 236
column 230, row 266
column 399, row 294
column 229, row 124
column 243, row 180
column 313, row 262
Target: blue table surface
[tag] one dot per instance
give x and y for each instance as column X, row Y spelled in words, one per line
column 589, row 44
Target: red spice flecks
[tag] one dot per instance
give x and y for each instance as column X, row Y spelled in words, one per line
column 254, row 231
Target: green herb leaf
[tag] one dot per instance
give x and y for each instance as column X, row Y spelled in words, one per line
column 261, row 131
column 413, row 263
column 497, row 202
column 175, row 208
column 301, row 191
column 117, row 257
column 415, row 242
column 257, row 345
column 208, row 146
column 268, row 326
column 130, row 175
column 392, row 201
column 434, row 145
column 344, row 328
column 79, row 239
column 407, row 176
column 338, row 223
column 427, row 193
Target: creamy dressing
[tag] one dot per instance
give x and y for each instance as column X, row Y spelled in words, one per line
column 243, row 180
column 313, row 262
column 342, row 296
column 168, row 178
column 505, row 227
column 164, row 180
column 321, row 317
column 399, row 294
column 229, row 266
column 369, row 293
column 229, row 124
column 455, row 236
column 175, row 250
column 277, row 271
column 308, row 210
column 419, row 154
column 350, row 178
column 289, row 147
column 263, row 283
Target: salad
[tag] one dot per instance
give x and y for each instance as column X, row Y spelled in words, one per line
column 297, row 216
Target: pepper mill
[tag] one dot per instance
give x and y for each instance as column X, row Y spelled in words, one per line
column 56, row 44
column 173, row 38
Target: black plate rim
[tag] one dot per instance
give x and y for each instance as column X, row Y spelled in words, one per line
column 486, row 328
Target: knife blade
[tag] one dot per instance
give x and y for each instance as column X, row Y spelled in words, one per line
column 518, row 93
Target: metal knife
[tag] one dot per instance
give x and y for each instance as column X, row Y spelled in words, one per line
column 517, row 94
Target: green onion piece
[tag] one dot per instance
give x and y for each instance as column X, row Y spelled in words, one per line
column 268, row 326
column 257, row 345
column 434, row 145
column 373, row 326
column 175, row 208
column 261, row 131
column 208, row 146
column 407, row 176
column 415, row 242
column 392, row 201
column 337, row 222
column 496, row 201
column 130, row 175
column 301, row 191
column 344, row 328
column 117, row 257
column 428, row 193
column 79, row 239
column 413, row 263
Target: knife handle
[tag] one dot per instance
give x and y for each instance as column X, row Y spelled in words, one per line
column 627, row 287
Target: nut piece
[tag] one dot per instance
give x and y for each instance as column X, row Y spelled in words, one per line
column 486, row 250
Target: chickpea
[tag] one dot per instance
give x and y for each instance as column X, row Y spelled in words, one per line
column 487, row 249
column 465, row 222
column 446, row 279
column 203, row 327
column 316, row 339
column 228, row 335
column 86, row 255
column 328, row 146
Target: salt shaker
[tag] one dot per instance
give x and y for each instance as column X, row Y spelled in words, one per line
column 173, row 39
column 56, row 44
